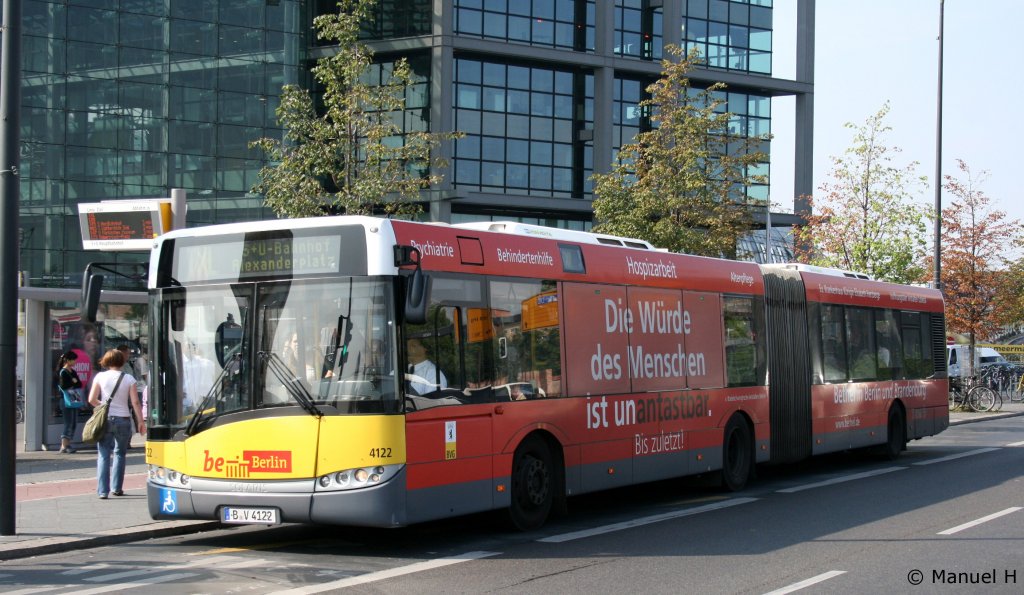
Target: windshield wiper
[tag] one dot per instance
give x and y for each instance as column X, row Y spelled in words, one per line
column 292, row 385
column 215, row 394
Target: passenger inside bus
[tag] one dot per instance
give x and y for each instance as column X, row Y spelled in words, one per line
column 198, row 374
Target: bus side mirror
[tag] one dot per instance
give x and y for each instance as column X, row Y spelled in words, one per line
column 92, row 285
column 417, row 296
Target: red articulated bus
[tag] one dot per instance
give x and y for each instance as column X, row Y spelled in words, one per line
column 353, row 370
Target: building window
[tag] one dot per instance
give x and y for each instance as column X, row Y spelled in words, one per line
column 565, row 24
column 521, row 124
column 391, row 19
column 638, row 29
column 399, row 18
column 751, row 116
column 730, row 34
column 130, row 98
column 573, row 224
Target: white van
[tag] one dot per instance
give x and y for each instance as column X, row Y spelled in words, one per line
column 957, row 356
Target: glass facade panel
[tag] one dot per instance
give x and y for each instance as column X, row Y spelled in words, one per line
column 751, row 117
column 392, row 18
column 126, row 99
column 520, row 126
column 567, row 24
column 129, row 98
column 730, row 34
column 638, row 29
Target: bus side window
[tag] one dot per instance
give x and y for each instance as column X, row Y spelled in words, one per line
column 890, row 350
column 833, row 343
column 913, row 346
column 862, row 354
column 741, row 359
column 457, row 339
column 527, row 348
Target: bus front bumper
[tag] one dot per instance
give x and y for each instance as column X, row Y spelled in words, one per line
column 383, row 505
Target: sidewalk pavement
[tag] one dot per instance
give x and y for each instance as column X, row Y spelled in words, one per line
column 58, row 509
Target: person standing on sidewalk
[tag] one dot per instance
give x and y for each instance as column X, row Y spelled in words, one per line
column 111, row 448
column 71, row 387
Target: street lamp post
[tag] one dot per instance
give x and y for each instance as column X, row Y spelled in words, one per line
column 10, row 106
column 938, row 162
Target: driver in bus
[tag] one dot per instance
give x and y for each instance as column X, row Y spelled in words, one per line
column 423, row 376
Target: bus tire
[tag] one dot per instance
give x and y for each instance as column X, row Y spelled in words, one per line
column 897, row 434
column 737, row 454
column 533, row 484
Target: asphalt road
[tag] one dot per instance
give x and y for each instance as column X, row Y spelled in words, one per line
column 947, row 517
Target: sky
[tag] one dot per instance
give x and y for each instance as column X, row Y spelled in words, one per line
column 868, row 52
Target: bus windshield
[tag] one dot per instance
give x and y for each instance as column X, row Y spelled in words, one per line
column 327, row 345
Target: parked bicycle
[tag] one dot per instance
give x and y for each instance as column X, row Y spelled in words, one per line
column 972, row 395
column 1017, row 394
column 998, row 379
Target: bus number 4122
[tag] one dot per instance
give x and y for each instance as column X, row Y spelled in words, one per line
column 381, row 453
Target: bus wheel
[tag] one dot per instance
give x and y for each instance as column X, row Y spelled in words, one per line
column 897, row 434
column 737, row 454
column 532, row 484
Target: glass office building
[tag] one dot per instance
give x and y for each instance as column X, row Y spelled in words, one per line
column 133, row 98
column 130, row 98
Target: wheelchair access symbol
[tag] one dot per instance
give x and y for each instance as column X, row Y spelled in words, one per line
column 168, row 502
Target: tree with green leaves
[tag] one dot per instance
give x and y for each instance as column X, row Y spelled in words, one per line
column 351, row 155
column 682, row 184
column 866, row 219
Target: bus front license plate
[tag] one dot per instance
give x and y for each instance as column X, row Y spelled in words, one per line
column 234, row 514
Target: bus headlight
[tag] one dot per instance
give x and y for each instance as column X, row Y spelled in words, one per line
column 162, row 476
column 360, row 477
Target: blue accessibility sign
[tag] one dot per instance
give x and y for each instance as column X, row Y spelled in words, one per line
column 168, row 501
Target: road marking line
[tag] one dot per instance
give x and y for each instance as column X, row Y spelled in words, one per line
column 983, row 519
column 258, row 546
column 843, row 479
column 1016, row 444
column 957, row 456
column 131, row 573
column 129, row 586
column 807, row 583
column 645, row 521
column 85, row 569
column 246, row 564
column 31, row 590
column 371, row 577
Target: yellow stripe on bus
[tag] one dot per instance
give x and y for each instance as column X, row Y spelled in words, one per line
column 291, row 447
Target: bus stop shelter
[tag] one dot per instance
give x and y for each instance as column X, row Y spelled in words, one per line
column 50, row 317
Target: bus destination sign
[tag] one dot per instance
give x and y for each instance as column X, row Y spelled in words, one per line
column 304, row 255
column 257, row 256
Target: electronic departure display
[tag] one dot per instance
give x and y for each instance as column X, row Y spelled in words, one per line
column 125, row 225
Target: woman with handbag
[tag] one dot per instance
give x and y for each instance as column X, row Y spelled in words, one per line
column 115, row 387
column 70, row 386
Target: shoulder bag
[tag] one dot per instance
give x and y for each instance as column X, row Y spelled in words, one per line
column 96, row 427
column 72, row 398
column 72, row 394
